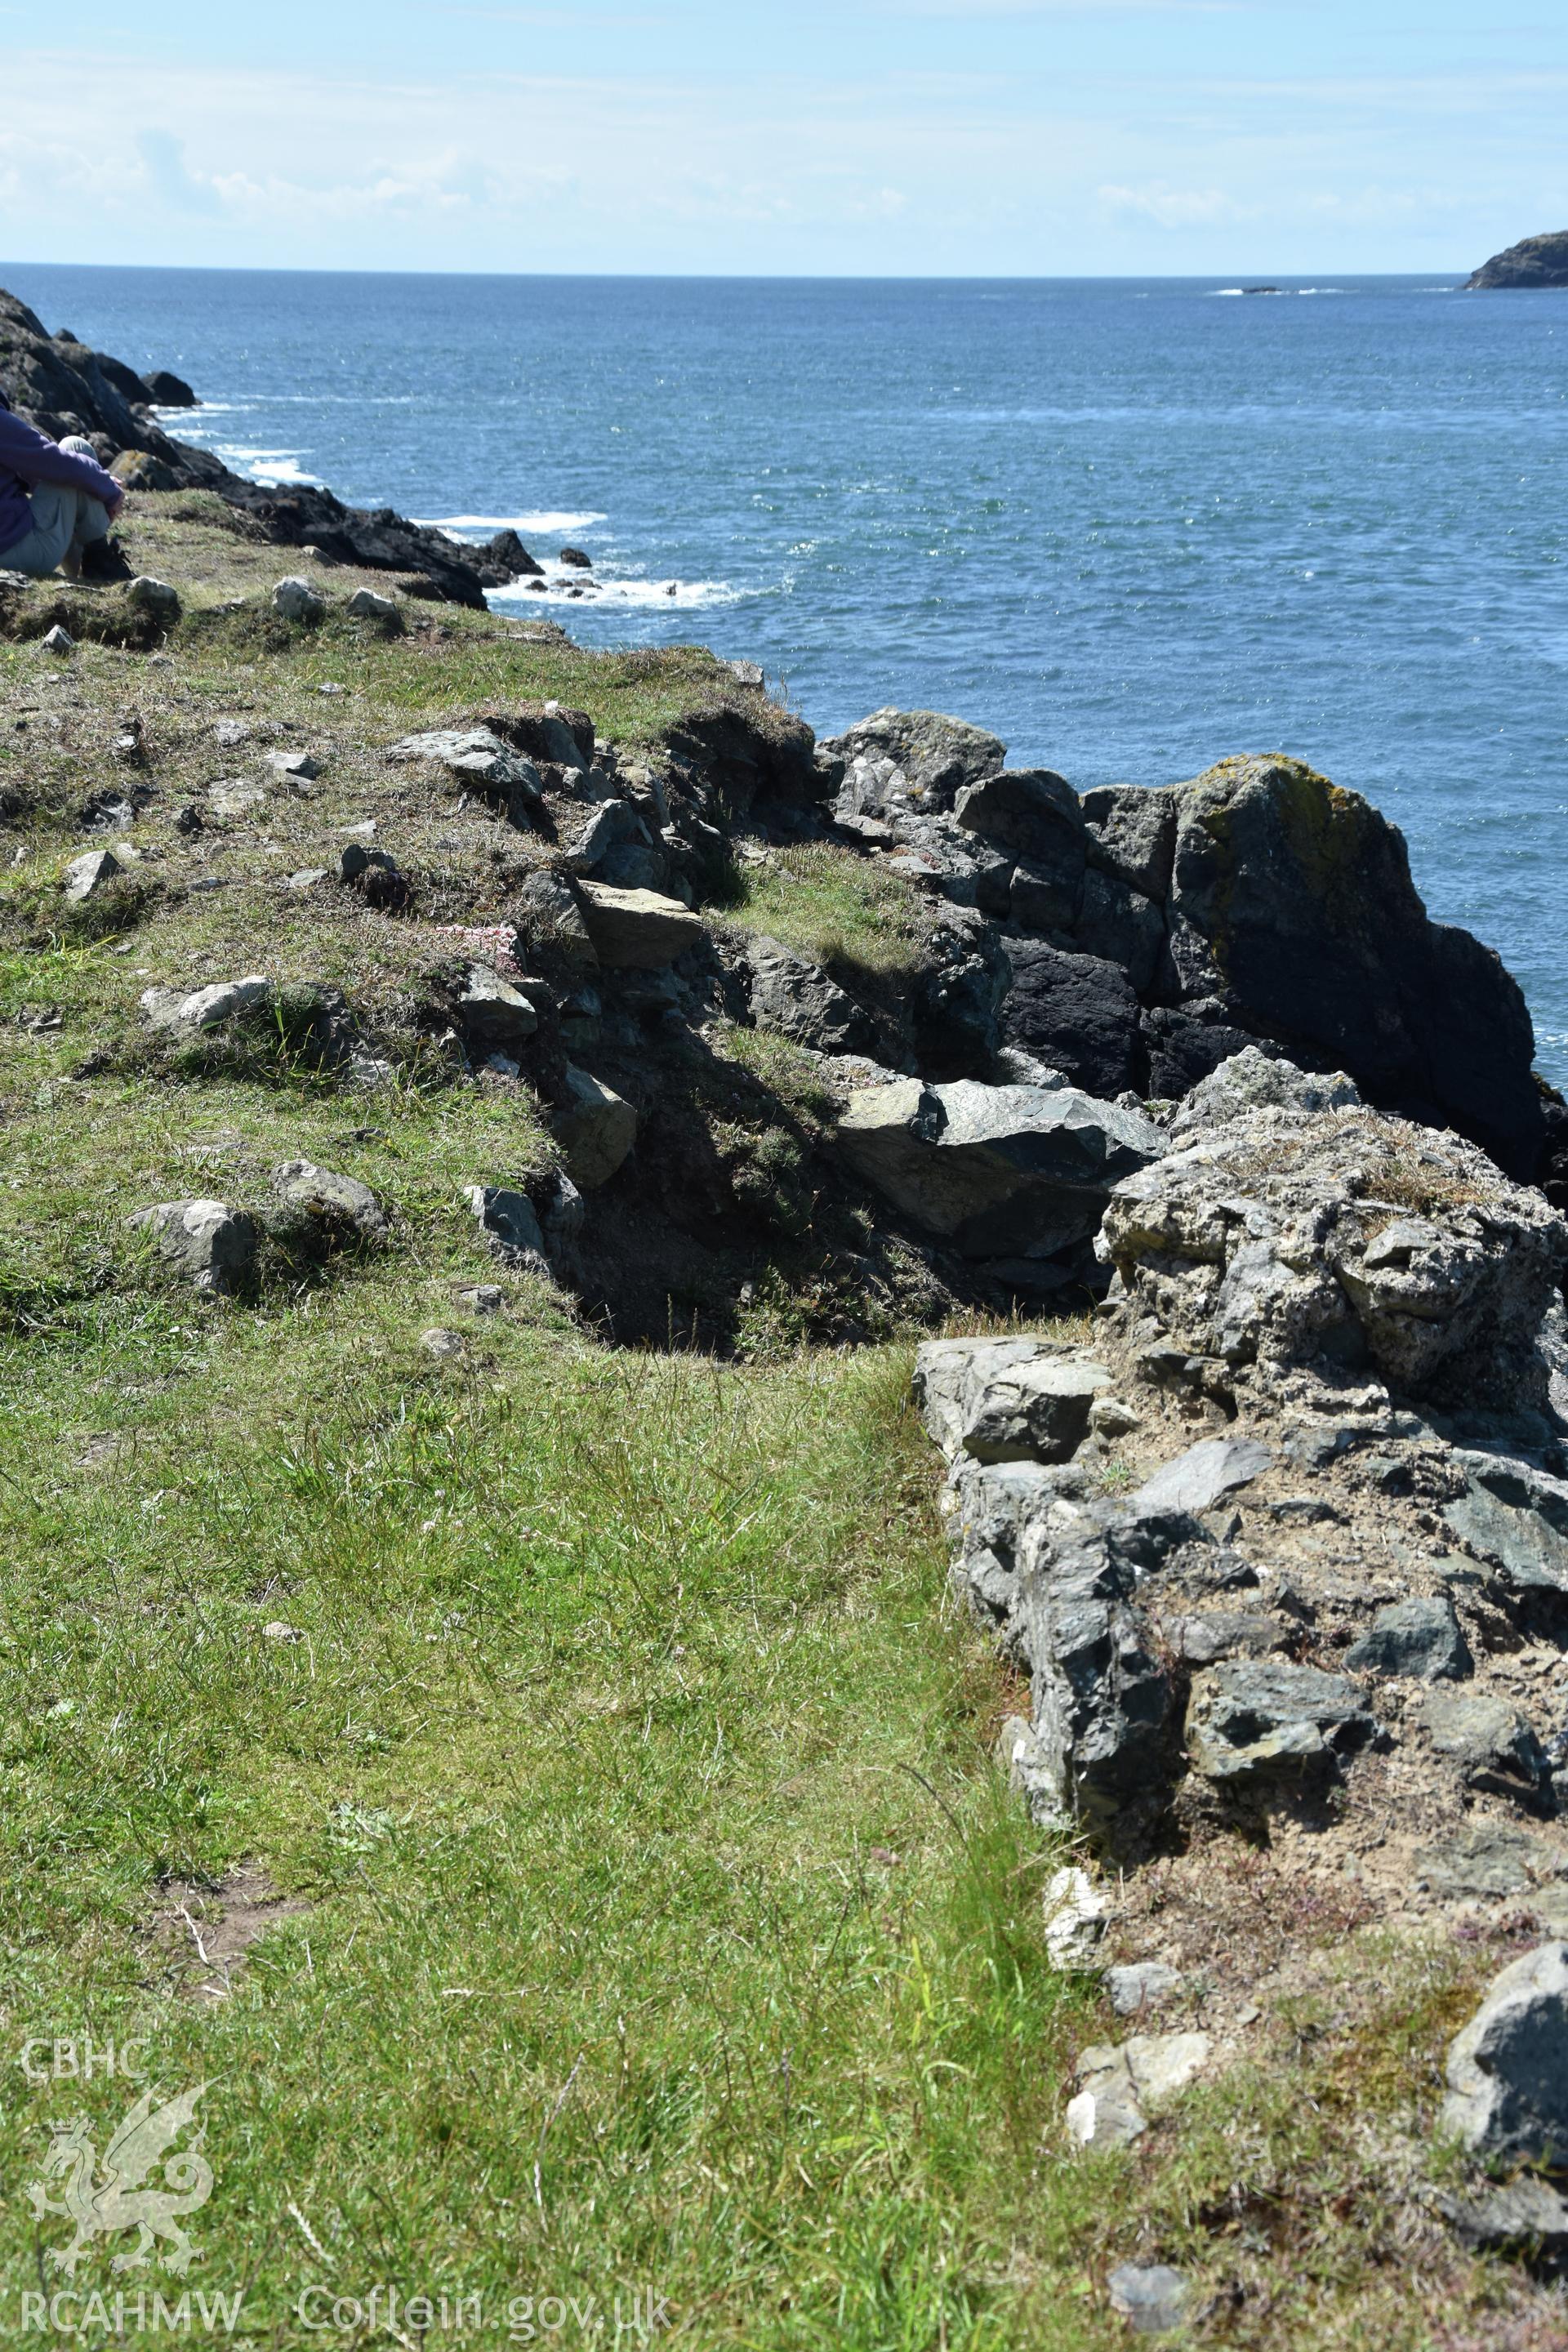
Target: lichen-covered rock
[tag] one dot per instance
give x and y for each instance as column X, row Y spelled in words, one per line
column 1255, row 1080
column 1508, row 2071
column 1322, row 1243
column 298, row 600
column 934, row 754
column 1253, row 1723
column 1421, row 1637
column 323, row 1212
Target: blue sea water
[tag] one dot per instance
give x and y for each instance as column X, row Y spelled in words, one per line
column 1129, row 525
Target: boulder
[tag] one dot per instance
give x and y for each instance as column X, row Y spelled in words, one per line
column 365, row 604
column 1515, row 1517
column 597, row 1128
column 1202, row 1476
column 1183, row 1044
column 1526, row 2217
column 1255, row 1079
column 1508, row 2070
column 1130, row 834
column 1030, row 813
column 324, row 1211
column 614, row 824
column 204, row 1008
column 293, row 767
column 57, row 640
column 788, row 993
column 93, row 871
column 1420, row 1637
column 1034, row 1411
column 574, row 557
column 298, row 600
column 213, row 1245
column 494, row 1016
column 476, row 757
column 507, row 1220
column 1076, row 1013
column 170, row 391
column 637, row 931
column 154, row 596
column 1495, row 1749
column 936, row 755
column 139, row 470
column 1316, row 1243
column 997, row 1170
column 1292, row 900
column 1253, row 1724
column 547, row 912
column 1119, row 926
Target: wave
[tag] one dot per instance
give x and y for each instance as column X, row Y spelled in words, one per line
column 653, row 594
column 270, row 468
column 518, row 522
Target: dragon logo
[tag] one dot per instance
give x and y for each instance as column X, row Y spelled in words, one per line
column 100, row 2207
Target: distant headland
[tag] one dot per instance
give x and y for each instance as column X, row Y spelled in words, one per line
column 1534, row 261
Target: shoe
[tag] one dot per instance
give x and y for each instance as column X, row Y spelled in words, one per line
column 103, row 562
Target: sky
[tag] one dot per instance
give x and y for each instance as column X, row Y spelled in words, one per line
column 925, row 138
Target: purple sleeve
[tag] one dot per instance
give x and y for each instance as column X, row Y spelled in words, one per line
column 32, row 456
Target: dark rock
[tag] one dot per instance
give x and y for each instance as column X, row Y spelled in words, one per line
column 577, row 559
column 507, row 1220
column 1526, row 2217
column 1041, row 897
column 1132, row 835
column 506, row 553
column 1031, row 813
column 170, row 391
column 1076, row 1013
column 954, row 1012
column 1494, row 1748
column 1515, row 1518
column 1419, row 1637
column 1116, row 924
column 790, row 993
column 494, row 1016
column 1253, row 1724
column 1534, row 261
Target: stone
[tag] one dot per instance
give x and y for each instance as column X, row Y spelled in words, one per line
column 294, row 767
column 1255, row 1080
column 1495, row 1749
column 483, row 1298
column 997, row 1170
column 1122, row 2081
column 1292, row 900
column 1119, row 926
column 1152, row 2298
column 790, row 993
column 443, row 1345
column 365, row 604
column 1135, row 1986
column 277, row 1629
column 1031, row 812
column 358, row 864
column 507, row 1220
column 328, row 1210
column 1507, row 2069
column 747, row 673
column 1251, row 1724
column 91, row 872
column 1186, row 1043
column 574, row 557
column 154, row 596
column 213, row 1245
column 170, row 391
column 296, row 600
column 935, row 754
column 1202, row 1476
column 232, row 796
column 614, row 824
column 637, row 931
column 494, row 1016
column 546, row 909
column 1249, row 1245
column 1075, row 1912
column 57, row 640
column 1515, row 1517
column 1419, row 1637
column 1036, row 1412
column 1528, row 2216
column 204, row 1008
column 1130, row 834
column 1077, row 1013
column 1534, row 262
column 597, row 1128
column 1479, row 1859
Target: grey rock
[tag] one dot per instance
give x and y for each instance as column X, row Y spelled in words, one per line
column 1255, row 1080
column 1493, row 1746
column 1204, row 1639
column 998, row 1171
column 483, row 1298
column 213, row 1245
column 633, row 867
column 1526, row 2217
column 1121, row 2080
column 935, row 754
column 1478, row 1859
column 1420, row 1637
column 1118, row 924
column 154, row 596
column 477, row 758
column 1515, row 1517
column 308, row 877
column 1032, row 813
column 597, row 1128
column 443, row 1345
column 1199, row 1478
column 366, row 605
column 790, row 993
column 57, row 640
column 1151, row 2296
column 1034, row 1411
column 1508, row 2070
column 296, row 600
column 1076, row 1911
column 494, row 1016
column 990, row 1507
column 294, row 767
column 1136, row 1986
column 547, row 910
column 612, row 826
column 637, row 931
column 204, row 1008
column 1131, row 835
column 507, row 1220
column 1250, row 1724
column 89, row 873
column 333, row 1211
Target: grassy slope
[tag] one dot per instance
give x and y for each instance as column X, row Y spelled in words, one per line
column 667, row 1926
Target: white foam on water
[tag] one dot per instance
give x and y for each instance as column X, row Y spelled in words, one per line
column 623, row 593
column 270, row 469
column 524, row 522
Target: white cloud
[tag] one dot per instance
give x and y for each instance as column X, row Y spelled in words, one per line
column 1172, row 207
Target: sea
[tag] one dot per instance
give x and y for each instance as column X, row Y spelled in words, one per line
column 1129, row 525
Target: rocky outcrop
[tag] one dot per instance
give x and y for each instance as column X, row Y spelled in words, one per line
column 1534, row 261
column 63, row 387
column 1508, row 2071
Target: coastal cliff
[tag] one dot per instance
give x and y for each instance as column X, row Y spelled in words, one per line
column 1534, row 261
column 491, row 1129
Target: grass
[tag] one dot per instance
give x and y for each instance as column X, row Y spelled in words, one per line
column 665, row 1927
column 836, row 907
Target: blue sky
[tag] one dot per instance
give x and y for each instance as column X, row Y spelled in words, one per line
column 868, row 137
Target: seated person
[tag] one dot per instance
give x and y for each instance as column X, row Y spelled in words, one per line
column 55, row 505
